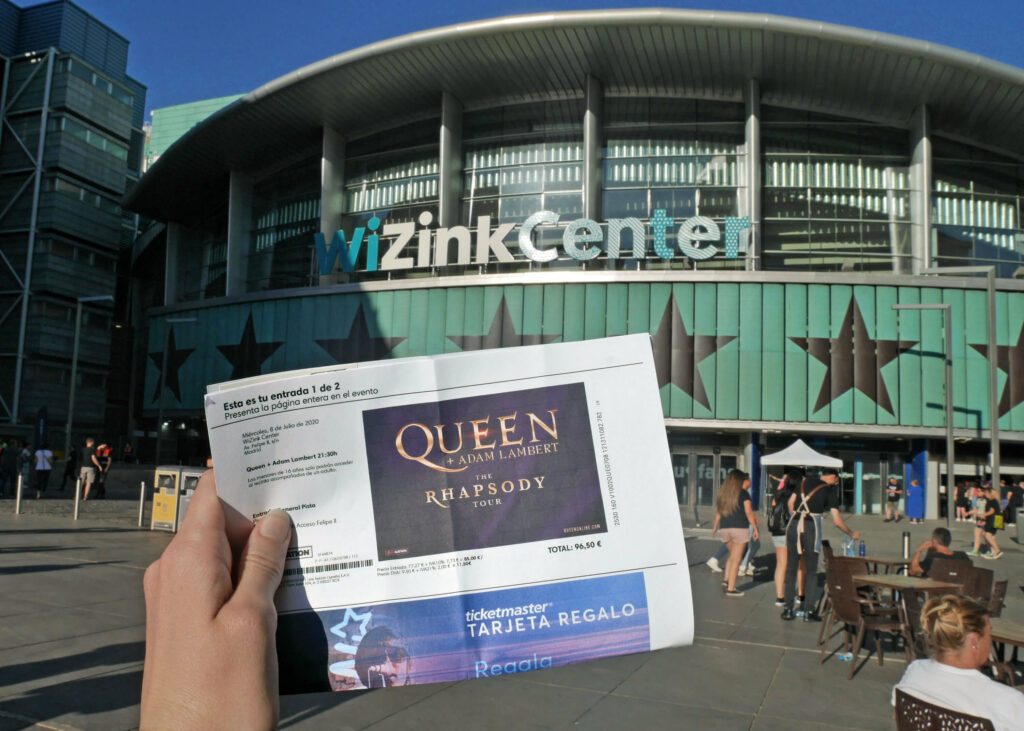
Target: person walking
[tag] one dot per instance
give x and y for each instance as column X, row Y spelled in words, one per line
column 26, row 459
column 104, row 456
column 90, row 467
column 734, row 516
column 44, row 463
column 780, row 515
column 6, row 454
column 803, row 538
column 753, row 546
column 963, row 505
column 985, row 523
column 893, row 492
column 1014, row 502
column 70, row 467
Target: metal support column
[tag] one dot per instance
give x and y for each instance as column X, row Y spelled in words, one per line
column 921, row 191
column 450, row 161
column 593, row 144
column 239, row 232
column 993, row 356
column 33, row 221
column 752, row 172
column 172, row 255
column 332, row 196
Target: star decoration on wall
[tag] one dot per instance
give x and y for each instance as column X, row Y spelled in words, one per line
column 176, row 357
column 359, row 345
column 248, row 356
column 502, row 334
column 1007, row 356
column 677, row 353
column 854, row 360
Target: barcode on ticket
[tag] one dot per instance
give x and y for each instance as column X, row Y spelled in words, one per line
column 301, row 570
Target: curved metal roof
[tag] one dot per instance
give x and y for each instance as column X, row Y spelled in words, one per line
column 801, row 64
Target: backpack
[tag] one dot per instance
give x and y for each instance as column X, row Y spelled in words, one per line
column 778, row 516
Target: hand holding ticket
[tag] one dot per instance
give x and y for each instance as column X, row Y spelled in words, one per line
column 464, row 515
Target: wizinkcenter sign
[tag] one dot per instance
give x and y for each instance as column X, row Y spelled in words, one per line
column 583, row 239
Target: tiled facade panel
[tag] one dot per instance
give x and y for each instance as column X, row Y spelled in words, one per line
column 825, row 353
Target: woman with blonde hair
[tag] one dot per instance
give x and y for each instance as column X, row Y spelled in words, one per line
column 734, row 517
column 959, row 637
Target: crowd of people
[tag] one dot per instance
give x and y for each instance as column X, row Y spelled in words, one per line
column 956, row 629
column 34, row 464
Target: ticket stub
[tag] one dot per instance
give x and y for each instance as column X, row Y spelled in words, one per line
column 463, row 515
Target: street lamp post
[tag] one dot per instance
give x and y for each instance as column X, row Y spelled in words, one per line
column 993, row 355
column 169, row 322
column 950, row 455
column 74, row 365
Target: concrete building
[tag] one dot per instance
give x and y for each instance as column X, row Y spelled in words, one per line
column 755, row 192
column 70, row 145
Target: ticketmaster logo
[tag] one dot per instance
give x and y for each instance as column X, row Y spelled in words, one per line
column 583, row 239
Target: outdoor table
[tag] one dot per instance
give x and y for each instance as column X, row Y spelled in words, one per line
column 898, row 583
column 892, row 565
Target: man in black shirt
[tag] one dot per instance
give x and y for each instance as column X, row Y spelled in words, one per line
column 90, row 466
column 937, row 547
column 803, row 538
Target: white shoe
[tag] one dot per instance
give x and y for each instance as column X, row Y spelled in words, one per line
column 749, row 571
column 713, row 565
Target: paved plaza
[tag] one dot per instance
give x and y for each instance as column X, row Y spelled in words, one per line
column 73, row 625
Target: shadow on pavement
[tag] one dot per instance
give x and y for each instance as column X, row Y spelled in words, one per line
column 40, row 549
column 15, row 570
column 82, row 697
column 297, row 708
column 119, row 654
column 92, row 529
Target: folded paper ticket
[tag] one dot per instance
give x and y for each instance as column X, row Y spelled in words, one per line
column 464, row 515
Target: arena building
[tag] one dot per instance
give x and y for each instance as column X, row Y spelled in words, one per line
column 756, row 192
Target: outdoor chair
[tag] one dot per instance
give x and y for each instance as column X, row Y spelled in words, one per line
column 914, row 714
column 950, row 569
column 857, row 615
column 978, row 583
column 849, row 565
column 912, row 603
column 997, row 598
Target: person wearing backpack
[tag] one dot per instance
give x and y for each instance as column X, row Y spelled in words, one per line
column 778, row 518
column 803, row 538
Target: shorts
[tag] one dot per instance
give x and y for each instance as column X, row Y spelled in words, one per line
column 734, row 535
column 88, row 475
column 779, row 541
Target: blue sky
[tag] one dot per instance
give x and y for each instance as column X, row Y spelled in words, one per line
column 190, row 49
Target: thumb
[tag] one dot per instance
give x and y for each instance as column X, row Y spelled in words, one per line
column 262, row 561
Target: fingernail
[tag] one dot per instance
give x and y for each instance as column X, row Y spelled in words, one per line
column 276, row 525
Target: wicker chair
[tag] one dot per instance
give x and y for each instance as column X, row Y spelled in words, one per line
column 849, row 565
column 954, row 570
column 998, row 598
column 857, row 615
column 914, row 714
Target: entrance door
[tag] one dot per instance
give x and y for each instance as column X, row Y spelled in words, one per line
column 699, row 475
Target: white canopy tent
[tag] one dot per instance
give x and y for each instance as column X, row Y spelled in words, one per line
column 799, row 454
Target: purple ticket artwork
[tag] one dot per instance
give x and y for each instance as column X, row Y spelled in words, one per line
column 483, row 471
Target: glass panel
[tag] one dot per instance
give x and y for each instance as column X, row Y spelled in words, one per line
column 871, row 486
column 725, row 463
column 681, row 471
column 705, row 479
